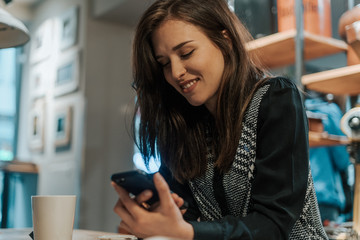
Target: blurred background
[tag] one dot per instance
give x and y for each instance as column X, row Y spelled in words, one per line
column 66, row 98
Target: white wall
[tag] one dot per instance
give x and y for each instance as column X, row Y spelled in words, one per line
column 110, row 97
column 103, row 104
column 59, row 172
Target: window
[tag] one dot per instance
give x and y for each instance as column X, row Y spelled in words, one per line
column 10, row 72
column 138, row 160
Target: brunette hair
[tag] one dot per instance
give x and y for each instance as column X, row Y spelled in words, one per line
column 169, row 126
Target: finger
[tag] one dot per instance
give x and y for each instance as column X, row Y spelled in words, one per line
column 154, row 206
column 123, row 194
column 129, row 204
column 116, row 187
column 122, row 212
column 174, row 195
column 124, row 228
column 179, row 201
column 163, row 189
column 183, row 211
column 144, row 196
column 140, row 199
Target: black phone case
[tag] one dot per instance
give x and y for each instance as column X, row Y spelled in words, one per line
column 136, row 182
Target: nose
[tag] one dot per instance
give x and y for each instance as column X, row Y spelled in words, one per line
column 178, row 70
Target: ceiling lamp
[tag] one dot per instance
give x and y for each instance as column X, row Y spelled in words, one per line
column 12, row 31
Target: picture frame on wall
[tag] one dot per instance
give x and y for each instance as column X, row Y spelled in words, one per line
column 69, row 28
column 63, row 127
column 39, row 79
column 67, row 74
column 37, row 125
column 42, row 40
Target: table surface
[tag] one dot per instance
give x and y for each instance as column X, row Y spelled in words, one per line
column 23, row 234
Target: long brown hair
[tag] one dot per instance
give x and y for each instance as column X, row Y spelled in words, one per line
column 169, row 126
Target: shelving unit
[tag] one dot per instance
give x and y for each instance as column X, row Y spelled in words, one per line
column 317, row 139
column 298, row 46
column 11, row 171
column 341, row 81
column 278, row 49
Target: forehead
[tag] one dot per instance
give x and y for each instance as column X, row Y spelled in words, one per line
column 172, row 32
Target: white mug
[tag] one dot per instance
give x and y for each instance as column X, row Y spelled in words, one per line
column 53, row 216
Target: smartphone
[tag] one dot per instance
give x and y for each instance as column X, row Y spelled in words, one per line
column 135, row 182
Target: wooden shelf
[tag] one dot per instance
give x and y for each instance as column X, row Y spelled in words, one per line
column 340, row 81
column 19, row 167
column 323, row 139
column 278, row 49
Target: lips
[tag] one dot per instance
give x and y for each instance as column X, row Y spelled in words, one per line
column 188, row 84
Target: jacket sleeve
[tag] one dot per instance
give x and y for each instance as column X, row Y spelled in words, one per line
column 281, row 169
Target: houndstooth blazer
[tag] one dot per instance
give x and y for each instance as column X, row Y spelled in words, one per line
column 237, row 183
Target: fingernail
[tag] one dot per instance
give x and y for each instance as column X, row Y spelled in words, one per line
column 158, row 175
column 147, row 193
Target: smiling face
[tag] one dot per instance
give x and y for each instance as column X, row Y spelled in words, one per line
column 191, row 62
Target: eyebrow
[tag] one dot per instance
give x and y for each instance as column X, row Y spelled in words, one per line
column 176, row 47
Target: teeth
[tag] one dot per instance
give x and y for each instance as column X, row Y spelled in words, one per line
column 189, row 84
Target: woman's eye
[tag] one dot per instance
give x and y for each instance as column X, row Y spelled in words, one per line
column 186, row 55
column 164, row 64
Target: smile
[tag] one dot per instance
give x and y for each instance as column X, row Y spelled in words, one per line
column 189, row 84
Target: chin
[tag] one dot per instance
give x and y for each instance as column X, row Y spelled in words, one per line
column 195, row 103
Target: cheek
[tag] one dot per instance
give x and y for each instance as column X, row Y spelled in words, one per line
column 169, row 80
column 167, row 77
column 217, row 68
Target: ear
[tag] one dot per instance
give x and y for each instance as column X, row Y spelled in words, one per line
column 226, row 35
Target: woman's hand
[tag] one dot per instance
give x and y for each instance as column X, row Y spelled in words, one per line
column 165, row 219
column 142, row 198
column 146, row 195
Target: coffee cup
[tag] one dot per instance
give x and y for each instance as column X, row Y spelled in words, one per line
column 53, row 216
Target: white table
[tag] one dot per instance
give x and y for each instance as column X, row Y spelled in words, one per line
column 23, row 234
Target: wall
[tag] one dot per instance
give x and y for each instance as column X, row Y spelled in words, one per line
column 59, row 171
column 110, row 98
column 102, row 105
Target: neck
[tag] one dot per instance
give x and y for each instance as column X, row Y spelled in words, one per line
column 211, row 108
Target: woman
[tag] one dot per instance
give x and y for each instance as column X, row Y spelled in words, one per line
column 232, row 141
